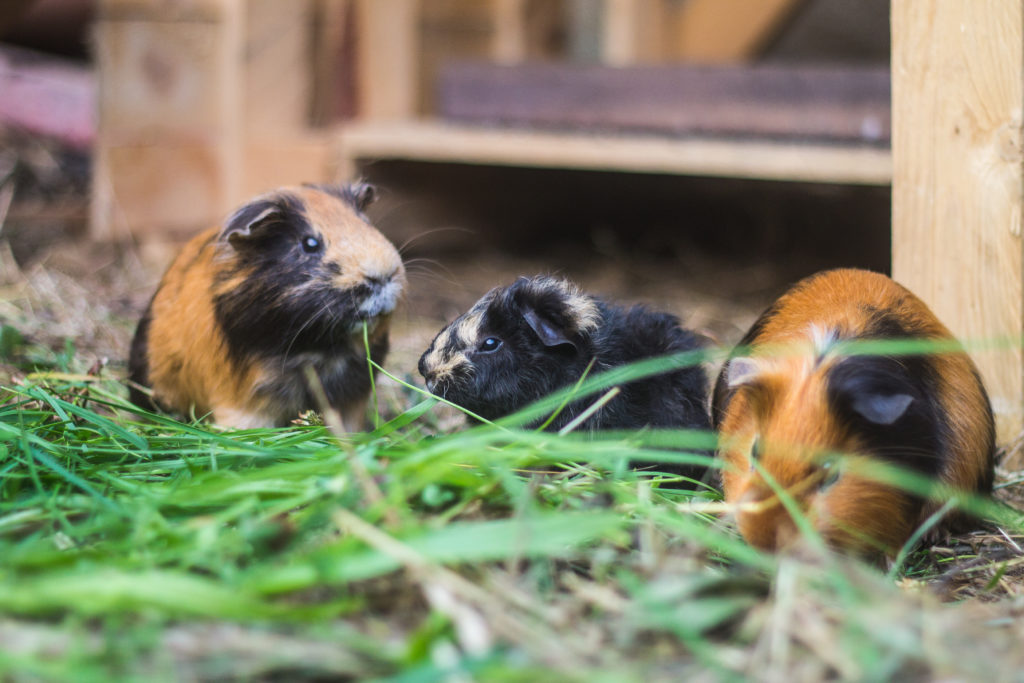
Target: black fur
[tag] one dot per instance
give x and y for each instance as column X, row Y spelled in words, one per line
column 921, row 434
column 524, row 369
column 268, row 315
column 138, row 363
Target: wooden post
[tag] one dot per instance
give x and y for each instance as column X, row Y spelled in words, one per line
column 201, row 104
column 388, row 44
column 509, row 41
column 958, row 192
column 167, row 148
column 633, row 31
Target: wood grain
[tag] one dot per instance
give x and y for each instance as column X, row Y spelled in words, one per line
column 775, row 101
column 435, row 142
column 957, row 72
column 728, row 30
column 388, row 43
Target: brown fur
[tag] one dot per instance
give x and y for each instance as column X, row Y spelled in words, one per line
column 188, row 361
column 784, row 406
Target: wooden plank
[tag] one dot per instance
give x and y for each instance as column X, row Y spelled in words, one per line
column 633, row 32
column 387, row 57
column 435, row 142
column 168, row 149
column 160, row 81
column 509, row 41
column 278, row 66
column 168, row 10
column 201, row 101
column 794, row 102
column 958, row 191
column 332, row 61
column 276, row 161
column 727, row 30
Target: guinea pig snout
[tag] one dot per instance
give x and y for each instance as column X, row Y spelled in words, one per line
column 763, row 520
column 442, row 373
column 380, row 294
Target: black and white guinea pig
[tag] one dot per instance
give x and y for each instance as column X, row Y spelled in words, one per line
column 522, row 342
column 287, row 282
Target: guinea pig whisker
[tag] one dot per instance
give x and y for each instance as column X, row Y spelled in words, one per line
column 326, row 308
column 417, row 266
column 409, row 242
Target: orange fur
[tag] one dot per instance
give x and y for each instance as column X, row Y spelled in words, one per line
column 786, row 409
column 189, row 365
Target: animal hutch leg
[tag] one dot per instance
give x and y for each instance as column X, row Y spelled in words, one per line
column 387, row 48
column 201, row 104
column 957, row 194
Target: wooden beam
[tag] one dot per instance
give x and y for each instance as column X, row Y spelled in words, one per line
column 727, row 30
column 278, row 66
column 200, row 103
column 633, row 32
column 509, row 41
column 434, row 142
column 773, row 101
column 169, row 134
column 958, row 191
column 388, row 45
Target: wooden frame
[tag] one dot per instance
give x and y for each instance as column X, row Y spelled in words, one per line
column 201, row 104
column 958, row 191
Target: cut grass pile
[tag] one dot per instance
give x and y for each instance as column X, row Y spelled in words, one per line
column 137, row 547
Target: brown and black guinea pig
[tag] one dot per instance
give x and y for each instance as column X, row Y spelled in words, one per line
column 522, row 342
column 287, row 282
column 795, row 404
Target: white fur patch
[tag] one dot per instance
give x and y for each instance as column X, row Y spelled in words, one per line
column 824, row 339
column 583, row 307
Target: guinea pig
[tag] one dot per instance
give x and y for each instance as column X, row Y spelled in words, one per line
column 522, row 342
column 795, row 404
column 286, row 283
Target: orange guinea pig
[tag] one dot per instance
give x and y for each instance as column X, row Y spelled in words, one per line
column 792, row 403
column 286, row 283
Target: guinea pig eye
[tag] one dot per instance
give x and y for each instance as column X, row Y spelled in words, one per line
column 490, row 344
column 830, row 474
column 310, row 244
column 755, row 451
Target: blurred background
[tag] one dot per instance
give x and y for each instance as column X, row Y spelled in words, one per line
column 698, row 155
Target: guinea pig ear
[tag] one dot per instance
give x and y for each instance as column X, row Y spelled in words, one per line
column 248, row 219
column 741, row 371
column 882, row 409
column 547, row 331
column 363, row 194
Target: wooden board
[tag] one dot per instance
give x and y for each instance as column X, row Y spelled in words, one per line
column 169, row 137
column 633, row 32
column 727, row 30
column 844, row 104
column 388, row 42
column 278, row 66
column 958, row 87
column 201, row 103
column 436, row 142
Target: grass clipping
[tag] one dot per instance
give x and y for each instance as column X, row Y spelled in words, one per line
column 138, row 546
